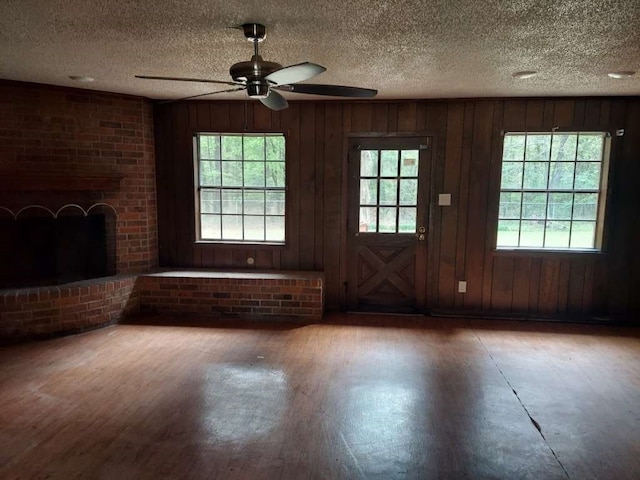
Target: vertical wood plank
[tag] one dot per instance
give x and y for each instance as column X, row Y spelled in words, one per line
column 548, row 293
column 563, row 113
column 449, row 222
column 318, row 262
column 492, row 205
column 380, row 118
column 361, row 117
column 290, row 256
column 521, row 279
column 306, row 198
column 332, row 201
column 563, row 285
column 575, row 288
column 502, row 285
column 407, row 117
column 463, row 211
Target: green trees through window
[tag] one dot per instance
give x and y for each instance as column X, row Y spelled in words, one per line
column 241, row 187
column 551, row 190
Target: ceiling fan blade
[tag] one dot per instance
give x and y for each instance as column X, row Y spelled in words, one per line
column 202, row 95
column 331, row 90
column 180, row 79
column 275, row 101
column 295, row 73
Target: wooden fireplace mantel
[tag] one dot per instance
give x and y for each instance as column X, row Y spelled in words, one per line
column 59, row 181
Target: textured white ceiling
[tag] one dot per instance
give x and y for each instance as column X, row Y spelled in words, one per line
column 405, row 49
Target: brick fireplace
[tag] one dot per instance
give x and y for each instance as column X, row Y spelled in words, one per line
column 62, row 147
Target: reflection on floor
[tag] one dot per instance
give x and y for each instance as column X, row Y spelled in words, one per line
column 357, row 397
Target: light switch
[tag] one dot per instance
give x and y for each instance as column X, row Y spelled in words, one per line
column 444, row 199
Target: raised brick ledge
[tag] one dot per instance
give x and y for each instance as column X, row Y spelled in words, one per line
column 49, row 311
column 262, row 294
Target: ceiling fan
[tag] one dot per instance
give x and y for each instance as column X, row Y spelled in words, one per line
column 262, row 79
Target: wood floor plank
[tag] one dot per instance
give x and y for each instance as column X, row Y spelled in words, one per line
column 358, row 396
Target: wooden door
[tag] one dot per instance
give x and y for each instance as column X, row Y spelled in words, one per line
column 388, row 222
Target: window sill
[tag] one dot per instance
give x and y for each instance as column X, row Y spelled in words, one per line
column 248, row 245
column 535, row 252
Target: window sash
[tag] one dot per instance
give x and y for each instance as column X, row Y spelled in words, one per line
column 544, row 224
column 244, row 225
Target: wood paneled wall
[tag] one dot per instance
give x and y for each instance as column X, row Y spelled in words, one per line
column 468, row 139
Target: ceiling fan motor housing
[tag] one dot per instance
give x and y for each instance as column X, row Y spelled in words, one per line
column 253, row 73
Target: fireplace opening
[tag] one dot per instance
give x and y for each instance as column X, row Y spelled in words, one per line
column 37, row 249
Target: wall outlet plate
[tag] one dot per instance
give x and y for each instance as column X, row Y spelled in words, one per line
column 462, row 286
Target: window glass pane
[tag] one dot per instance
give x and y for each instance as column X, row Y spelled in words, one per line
column 388, row 192
column 368, row 191
column 532, row 233
column 231, row 174
column 389, row 163
column 560, row 206
column 275, row 172
column 407, row 219
column 210, row 201
column 275, row 147
column 409, row 160
column 538, row 147
column 587, row 176
column 275, row 203
column 275, row 229
column 254, row 203
column 210, row 147
column 231, row 201
column 585, row 206
column 241, row 181
column 561, row 175
column 508, row 231
column 387, row 220
column 369, row 163
column 367, row 221
column 232, row 227
column 513, row 148
column 563, row 148
column 254, row 174
column 408, row 191
column 583, row 234
column 534, row 206
column 557, row 234
column 510, row 204
column 511, row 175
column 590, row 147
column 210, row 227
column 535, row 175
column 254, row 227
column 254, row 148
column 232, row 147
column 210, row 174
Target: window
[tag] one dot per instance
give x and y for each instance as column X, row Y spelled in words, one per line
column 388, row 191
column 241, row 187
column 552, row 190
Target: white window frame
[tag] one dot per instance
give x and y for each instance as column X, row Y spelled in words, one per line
column 601, row 192
column 270, row 193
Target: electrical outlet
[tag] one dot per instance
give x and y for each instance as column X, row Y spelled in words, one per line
column 462, row 286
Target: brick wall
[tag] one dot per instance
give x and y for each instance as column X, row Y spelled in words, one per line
column 284, row 294
column 44, row 312
column 73, row 130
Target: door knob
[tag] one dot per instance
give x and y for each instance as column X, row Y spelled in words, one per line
column 422, row 230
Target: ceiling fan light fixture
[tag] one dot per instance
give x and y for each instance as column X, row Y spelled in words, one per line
column 622, row 74
column 258, row 89
column 524, row 74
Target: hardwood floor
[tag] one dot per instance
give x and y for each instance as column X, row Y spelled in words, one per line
column 357, row 397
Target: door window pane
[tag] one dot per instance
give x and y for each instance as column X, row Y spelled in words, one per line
column 388, row 192
column 369, row 163
column 408, row 191
column 389, row 163
column 387, row 220
column 368, row 191
column 409, row 160
column 407, row 219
